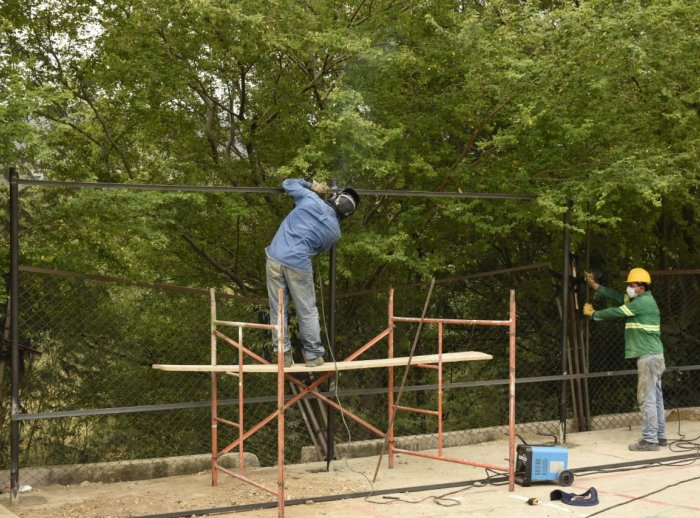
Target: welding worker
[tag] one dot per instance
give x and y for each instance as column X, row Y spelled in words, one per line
column 643, row 342
column 313, row 226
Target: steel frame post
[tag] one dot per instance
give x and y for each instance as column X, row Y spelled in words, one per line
column 439, row 411
column 390, row 384
column 15, row 408
column 565, row 318
column 214, row 395
column 280, row 403
column 511, row 394
column 241, row 408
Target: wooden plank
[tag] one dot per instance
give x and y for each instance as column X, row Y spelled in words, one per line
column 465, row 356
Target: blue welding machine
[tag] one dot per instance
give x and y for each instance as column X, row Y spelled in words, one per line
column 542, row 463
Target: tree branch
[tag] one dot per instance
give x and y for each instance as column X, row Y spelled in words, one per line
column 214, row 262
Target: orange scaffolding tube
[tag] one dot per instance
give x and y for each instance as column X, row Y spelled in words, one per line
column 311, row 389
column 441, row 322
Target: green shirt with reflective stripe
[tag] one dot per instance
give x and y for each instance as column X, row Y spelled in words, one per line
column 642, row 324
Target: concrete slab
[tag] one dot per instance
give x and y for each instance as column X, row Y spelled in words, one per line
column 663, row 485
column 6, row 513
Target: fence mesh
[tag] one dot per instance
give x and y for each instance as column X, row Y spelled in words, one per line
column 89, row 393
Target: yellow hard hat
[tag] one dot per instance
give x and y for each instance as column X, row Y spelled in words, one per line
column 639, row 275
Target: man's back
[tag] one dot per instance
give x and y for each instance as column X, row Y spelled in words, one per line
column 311, row 227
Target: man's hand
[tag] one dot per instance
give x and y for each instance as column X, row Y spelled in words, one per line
column 588, row 310
column 319, row 187
column 590, row 280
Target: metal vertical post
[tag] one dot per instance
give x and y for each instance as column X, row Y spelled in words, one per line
column 214, row 393
column 14, row 332
column 330, row 423
column 241, row 400
column 440, row 391
column 390, row 383
column 280, row 402
column 564, row 318
column 511, row 394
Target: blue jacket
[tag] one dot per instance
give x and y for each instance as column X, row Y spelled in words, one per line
column 311, row 227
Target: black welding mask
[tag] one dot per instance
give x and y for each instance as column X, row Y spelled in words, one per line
column 346, row 202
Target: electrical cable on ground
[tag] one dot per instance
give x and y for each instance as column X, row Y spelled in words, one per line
column 643, row 496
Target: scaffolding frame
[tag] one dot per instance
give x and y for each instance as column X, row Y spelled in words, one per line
column 310, row 389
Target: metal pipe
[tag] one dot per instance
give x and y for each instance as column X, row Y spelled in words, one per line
column 390, row 389
column 439, row 410
column 275, row 190
column 241, row 405
column 418, row 410
column 250, row 325
column 214, row 393
column 511, row 394
column 450, row 459
column 347, row 392
column 14, row 333
column 330, row 421
column 307, row 412
column 577, row 400
column 453, row 321
column 280, row 402
column 564, row 318
column 247, row 480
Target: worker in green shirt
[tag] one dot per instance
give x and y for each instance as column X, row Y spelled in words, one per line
column 643, row 342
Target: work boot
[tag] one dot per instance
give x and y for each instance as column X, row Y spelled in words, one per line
column 643, row 445
column 663, row 442
column 314, row 362
column 288, row 360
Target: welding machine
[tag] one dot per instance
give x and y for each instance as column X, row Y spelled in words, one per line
column 542, row 463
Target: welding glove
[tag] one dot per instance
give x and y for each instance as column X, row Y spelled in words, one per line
column 590, row 280
column 588, row 310
column 319, row 187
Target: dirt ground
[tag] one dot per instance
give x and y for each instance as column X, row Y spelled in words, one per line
column 194, row 494
column 664, row 487
column 185, row 493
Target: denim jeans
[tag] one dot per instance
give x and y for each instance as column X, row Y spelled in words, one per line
column 299, row 284
column 650, row 398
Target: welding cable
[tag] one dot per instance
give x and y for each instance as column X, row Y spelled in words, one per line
column 685, row 461
column 684, row 445
column 443, row 499
column 335, row 386
column 491, row 477
column 643, row 496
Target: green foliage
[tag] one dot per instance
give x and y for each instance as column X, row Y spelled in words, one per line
column 595, row 101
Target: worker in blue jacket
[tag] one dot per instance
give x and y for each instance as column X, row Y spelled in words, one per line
column 313, row 226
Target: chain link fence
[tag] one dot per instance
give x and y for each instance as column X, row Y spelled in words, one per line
column 89, row 394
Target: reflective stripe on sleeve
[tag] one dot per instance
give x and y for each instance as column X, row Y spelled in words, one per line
column 645, row 327
column 626, row 310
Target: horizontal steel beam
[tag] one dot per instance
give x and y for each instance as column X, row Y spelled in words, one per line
column 272, row 190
